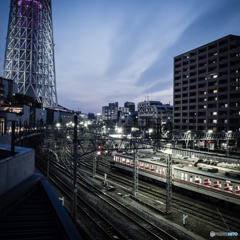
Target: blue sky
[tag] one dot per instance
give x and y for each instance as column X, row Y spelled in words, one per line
column 123, row 50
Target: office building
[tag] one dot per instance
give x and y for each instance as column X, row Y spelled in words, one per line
column 109, row 111
column 207, row 87
column 130, row 105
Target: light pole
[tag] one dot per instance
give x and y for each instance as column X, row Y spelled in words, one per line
column 75, row 172
column 169, row 179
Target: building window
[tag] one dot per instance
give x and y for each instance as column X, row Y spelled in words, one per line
column 214, row 91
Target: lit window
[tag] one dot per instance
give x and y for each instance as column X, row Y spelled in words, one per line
column 214, row 113
column 214, row 91
column 236, row 71
column 215, row 76
column 215, row 121
column 226, row 105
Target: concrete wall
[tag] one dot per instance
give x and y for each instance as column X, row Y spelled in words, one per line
column 41, row 114
column 17, row 168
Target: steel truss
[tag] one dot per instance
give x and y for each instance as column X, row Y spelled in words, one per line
column 29, row 54
column 185, row 136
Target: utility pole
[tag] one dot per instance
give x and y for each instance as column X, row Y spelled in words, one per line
column 94, row 166
column 135, row 173
column 75, row 172
column 169, row 184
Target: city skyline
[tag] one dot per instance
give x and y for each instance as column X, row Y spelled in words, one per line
column 122, row 51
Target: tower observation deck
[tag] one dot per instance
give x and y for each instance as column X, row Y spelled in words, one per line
column 29, row 53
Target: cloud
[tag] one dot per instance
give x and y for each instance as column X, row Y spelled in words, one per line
column 109, row 51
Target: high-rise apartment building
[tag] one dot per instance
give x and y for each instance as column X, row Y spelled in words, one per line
column 29, row 55
column 207, row 87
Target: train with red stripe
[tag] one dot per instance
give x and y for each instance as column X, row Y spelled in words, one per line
column 206, row 180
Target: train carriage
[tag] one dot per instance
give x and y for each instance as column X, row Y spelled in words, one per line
column 203, row 180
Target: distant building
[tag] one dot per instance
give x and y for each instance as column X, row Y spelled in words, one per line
column 91, row 116
column 17, row 112
column 207, row 86
column 83, row 117
column 99, row 117
column 154, row 113
column 109, row 112
column 7, row 89
column 130, row 105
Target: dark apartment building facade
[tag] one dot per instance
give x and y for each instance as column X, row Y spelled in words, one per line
column 207, row 87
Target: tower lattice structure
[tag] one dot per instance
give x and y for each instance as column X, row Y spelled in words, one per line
column 29, row 55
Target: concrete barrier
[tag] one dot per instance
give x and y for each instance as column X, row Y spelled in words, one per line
column 17, row 168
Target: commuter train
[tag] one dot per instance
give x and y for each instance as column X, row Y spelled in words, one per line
column 209, row 181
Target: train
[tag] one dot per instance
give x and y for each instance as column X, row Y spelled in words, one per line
column 204, row 179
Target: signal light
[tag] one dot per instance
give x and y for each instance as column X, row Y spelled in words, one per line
column 79, row 145
column 122, row 141
column 106, row 142
column 99, row 146
column 106, row 151
column 116, row 146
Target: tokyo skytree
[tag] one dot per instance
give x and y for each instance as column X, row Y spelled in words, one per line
column 29, row 55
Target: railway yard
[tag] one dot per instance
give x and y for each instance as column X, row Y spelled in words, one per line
column 109, row 210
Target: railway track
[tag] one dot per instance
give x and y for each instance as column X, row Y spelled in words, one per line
column 110, row 230
column 97, row 221
column 194, row 209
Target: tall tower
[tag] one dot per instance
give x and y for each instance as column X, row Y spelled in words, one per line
column 29, row 54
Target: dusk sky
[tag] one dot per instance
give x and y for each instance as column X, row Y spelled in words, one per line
column 108, row 51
